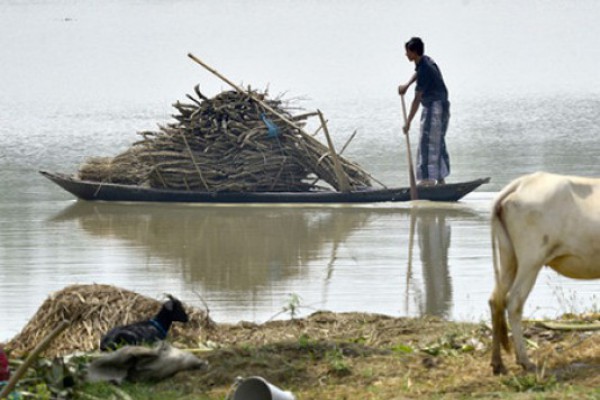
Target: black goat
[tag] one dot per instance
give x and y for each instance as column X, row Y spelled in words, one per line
column 145, row 332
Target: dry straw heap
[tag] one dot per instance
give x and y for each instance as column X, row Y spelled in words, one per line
column 230, row 142
column 91, row 311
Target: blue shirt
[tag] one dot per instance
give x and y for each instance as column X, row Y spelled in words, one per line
column 430, row 81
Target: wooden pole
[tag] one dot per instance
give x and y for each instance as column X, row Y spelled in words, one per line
column 194, row 162
column 309, row 139
column 34, row 354
column 411, row 171
column 342, row 179
column 255, row 98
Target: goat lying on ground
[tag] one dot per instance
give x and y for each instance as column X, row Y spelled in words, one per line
column 146, row 332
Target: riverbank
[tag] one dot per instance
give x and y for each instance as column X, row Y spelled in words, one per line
column 367, row 356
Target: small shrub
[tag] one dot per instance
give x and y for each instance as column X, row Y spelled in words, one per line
column 530, row 382
column 337, row 364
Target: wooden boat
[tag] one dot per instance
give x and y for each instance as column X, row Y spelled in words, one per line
column 94, row 191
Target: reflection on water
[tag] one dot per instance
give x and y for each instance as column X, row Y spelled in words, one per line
column 433, row 231
column 228, row 248
column 434, row 242
column 241, row 250
column 245, row 261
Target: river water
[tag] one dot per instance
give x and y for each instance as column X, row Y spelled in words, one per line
column 79, row 79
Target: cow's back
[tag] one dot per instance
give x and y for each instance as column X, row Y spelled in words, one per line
column 539, row 219
column 555, row 220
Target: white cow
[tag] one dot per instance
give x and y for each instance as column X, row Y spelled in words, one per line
column 539, row 220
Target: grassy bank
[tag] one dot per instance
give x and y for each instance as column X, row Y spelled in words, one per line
column 365, row 356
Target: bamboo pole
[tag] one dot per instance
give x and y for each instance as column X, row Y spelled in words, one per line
column 194, row 162
column 34, row 354
column 308, row 142
column 411, row 172
column 239, row 89
column 342, row 178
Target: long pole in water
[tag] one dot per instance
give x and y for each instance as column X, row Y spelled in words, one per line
column 411, row 171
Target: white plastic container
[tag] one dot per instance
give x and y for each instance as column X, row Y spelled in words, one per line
column 257, row 388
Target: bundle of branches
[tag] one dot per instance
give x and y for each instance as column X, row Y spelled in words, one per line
column 229, row 143
column 126, row 168
column 91, row 311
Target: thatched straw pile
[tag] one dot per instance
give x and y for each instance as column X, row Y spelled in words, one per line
column 92, row 310
column 225, row 144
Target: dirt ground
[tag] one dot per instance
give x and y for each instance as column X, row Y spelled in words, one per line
column 349, row 356
column 366, row 356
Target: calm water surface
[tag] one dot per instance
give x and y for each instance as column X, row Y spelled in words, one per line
column 79, row 79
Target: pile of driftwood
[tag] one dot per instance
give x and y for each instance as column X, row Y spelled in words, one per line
column 91, row 310
column 235, row 141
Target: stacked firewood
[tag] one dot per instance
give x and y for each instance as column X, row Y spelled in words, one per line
column 230, row 142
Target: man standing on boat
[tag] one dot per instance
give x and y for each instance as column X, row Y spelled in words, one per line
column 433, row 162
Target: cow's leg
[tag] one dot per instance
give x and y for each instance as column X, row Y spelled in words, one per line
column 505, row 277
column 499, row 330
column 526, row 276
column 505, row 269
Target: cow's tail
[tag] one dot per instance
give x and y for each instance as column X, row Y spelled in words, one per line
column 499, row 235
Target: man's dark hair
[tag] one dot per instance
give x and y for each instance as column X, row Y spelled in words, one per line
column 416, row 45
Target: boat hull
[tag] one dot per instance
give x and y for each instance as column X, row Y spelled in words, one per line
column 97, row 191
